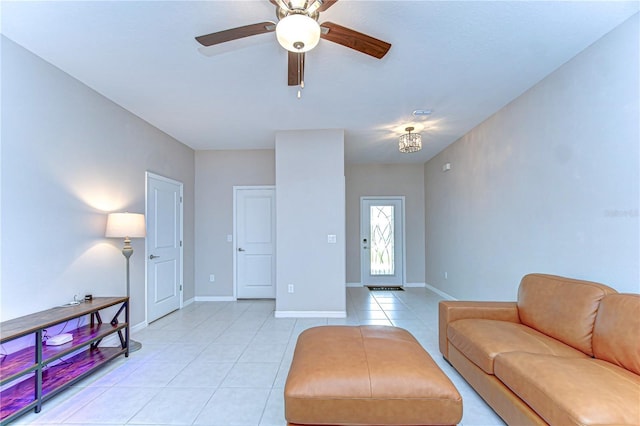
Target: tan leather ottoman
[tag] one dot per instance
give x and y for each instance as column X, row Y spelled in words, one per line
column 367, row 375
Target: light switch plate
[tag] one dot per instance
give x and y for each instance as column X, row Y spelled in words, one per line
column 331, row 239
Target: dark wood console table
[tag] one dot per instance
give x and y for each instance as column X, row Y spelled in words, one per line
column 36, row 373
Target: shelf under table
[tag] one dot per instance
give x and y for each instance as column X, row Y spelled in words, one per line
column 18, row 364
column 23, row 361
column 81, row 336
column 55, row 378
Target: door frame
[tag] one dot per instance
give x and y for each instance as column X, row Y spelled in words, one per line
column 236, row 189
column 156, row 176
column 401, row 199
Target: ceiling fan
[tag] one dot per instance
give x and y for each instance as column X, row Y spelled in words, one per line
column 298, row 31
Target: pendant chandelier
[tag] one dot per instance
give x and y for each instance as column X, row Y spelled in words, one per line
column 410, row 142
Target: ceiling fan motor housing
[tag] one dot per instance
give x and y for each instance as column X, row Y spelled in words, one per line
column 282, row 13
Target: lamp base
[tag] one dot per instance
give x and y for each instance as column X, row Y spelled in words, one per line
column 134, row 345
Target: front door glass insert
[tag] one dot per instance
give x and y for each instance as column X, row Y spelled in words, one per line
column 382, row 240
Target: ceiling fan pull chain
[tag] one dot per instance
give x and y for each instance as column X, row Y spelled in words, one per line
column 302, row 58
column 300, row 76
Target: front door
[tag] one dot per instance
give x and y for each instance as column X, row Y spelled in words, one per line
column 255, row 236
column 164, row 246
column 382, row 241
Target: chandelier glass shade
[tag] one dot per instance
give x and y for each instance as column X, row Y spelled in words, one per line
column 410, row 142
column 298, row 33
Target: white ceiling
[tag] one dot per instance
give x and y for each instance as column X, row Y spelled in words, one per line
column 462, row 59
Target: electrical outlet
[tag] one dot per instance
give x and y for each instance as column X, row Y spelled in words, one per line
column 290, row 288
column 212, row 278
column 446, row 275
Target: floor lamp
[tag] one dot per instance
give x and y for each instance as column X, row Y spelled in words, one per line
column 127, row 226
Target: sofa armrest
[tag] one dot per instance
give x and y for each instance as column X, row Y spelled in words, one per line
column 450, row 310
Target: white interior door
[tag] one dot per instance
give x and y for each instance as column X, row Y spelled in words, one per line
column 164, row 246
column 382, row 240
column 255, row 236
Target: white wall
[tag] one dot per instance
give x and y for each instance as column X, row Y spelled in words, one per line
column 310, row 205
column 217, row 172
column 548, row 184
column 387, row 180
column 69, row 156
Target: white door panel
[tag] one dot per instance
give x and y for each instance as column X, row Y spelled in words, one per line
column 257, row 219
column 166, row 208
column 164, row 246
column 164, row 273
column 255, row 243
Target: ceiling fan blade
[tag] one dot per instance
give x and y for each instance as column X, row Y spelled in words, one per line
column 295, row 68
column 355, row 40
column 236, row 33
column 326, row 4
column 280, row 3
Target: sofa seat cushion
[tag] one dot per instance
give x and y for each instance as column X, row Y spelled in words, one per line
column 480, row 340
column 572, row 391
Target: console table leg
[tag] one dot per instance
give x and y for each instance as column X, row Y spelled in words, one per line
column 38, row 376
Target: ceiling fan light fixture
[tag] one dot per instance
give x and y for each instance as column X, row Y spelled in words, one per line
column 298, row 33
column 410, row 142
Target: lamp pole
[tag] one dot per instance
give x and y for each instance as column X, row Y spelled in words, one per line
column 127, row 251
column 127, row 225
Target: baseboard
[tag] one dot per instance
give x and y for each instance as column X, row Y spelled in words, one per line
column 310, row 314
column 440, row 292
column 188, row 302
column 215, row 299
column 139, row 326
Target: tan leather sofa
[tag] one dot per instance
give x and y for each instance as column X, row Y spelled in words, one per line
column 566, row 353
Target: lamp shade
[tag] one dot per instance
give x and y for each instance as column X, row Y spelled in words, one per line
column 121, row 225
column 298, row 33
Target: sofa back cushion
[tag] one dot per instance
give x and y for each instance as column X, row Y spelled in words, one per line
column 562, row 308
column 616, row 334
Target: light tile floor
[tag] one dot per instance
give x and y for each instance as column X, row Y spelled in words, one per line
column 225, row 363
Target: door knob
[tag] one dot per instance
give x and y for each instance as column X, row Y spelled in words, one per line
column 152, row 256
column 240, row 249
